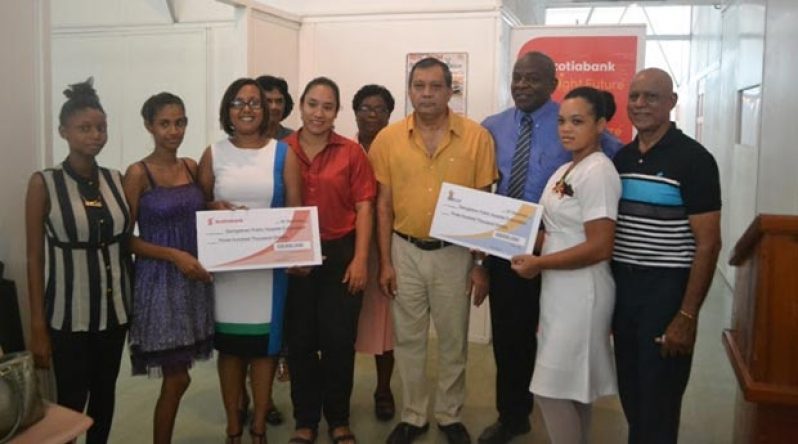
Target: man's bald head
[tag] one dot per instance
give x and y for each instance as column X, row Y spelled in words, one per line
column 658, row 77
column 651, row 99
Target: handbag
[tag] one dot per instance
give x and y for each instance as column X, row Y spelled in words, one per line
column 20, row 402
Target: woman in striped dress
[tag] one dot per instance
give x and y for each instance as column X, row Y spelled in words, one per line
column 78, row 313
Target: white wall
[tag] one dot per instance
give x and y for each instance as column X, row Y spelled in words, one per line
column 778, row 182
column 23, row 48
column 727, row 56
column 134, row 50
column 357, row 50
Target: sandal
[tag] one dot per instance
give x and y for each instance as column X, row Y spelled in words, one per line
column 302, row 440
column 347, row 437
column 257, row 438
column 384, row 406
column 234, row 439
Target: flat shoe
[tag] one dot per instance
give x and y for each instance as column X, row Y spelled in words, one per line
column 346, row 437
column 301, row 440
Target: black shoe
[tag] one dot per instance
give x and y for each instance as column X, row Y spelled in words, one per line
column 384, row 406
column 405, row 433
column 274, row 417
column 498, row 433
column 456, row 433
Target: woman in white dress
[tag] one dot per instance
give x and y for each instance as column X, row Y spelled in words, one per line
column 246, row 171
column 574, row 364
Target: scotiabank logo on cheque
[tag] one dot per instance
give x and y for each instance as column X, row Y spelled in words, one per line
column 217, row 220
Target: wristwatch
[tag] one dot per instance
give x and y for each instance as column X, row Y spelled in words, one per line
column 478, row 261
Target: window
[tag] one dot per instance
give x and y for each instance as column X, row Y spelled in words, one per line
column 667, row 30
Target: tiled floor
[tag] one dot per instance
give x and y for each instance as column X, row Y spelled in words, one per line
column 707, row 413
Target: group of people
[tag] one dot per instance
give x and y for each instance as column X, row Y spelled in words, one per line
column 621, row 266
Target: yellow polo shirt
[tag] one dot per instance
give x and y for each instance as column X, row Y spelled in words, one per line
column 400, row 160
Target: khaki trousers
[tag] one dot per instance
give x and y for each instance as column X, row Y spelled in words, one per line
column 431, row 283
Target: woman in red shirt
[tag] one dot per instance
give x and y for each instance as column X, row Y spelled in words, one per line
column 324, row 302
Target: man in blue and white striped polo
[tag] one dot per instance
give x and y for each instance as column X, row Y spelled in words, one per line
column 666, row 248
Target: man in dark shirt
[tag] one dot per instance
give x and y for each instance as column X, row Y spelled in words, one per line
column 666, row 247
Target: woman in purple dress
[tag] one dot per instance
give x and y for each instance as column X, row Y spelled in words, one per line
column 172, row 310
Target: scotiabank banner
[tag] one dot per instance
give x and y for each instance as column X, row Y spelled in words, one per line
column 605, row 58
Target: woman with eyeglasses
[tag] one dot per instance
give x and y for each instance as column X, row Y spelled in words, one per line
column 246, row 171
column 373, row 105
column 79, row 290
column 324, row 303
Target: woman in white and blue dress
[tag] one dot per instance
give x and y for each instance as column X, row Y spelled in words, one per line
column 574, row 364
column 245, row 171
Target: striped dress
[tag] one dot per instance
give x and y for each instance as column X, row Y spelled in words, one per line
column 88, row 266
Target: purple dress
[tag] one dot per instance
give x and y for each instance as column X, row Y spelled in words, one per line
column 172, row 316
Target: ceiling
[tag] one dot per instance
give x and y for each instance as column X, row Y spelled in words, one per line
column 582, row 3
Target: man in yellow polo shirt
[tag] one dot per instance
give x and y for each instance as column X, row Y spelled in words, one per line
column 425, row 276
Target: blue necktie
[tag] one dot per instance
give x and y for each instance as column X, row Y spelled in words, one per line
column 520, row 165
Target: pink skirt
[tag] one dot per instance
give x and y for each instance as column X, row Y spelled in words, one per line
column 374, row 328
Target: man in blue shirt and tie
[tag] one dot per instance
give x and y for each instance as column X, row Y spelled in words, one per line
column 528, row 151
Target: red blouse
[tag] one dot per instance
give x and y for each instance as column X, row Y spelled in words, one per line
column 338, row 177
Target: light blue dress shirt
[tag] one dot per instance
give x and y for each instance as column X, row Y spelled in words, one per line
column 547, row 152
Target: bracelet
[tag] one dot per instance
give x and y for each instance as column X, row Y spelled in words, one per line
column 687, row 315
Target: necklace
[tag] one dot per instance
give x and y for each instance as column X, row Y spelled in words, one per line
column 88, row 184
column 92, row 203
column 90, row 193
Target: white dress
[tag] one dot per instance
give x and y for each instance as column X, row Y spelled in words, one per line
column 249, row 303
column 574, row 358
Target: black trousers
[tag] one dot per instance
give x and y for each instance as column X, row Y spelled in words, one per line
column 86, row 366
column 514, row 313
column 650, row 386
column 321, row 325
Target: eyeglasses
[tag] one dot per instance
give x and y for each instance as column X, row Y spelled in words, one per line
column 253, row 104
column 378, row 110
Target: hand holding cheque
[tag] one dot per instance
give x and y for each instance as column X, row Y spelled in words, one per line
column 486, row 222
column 259, row 238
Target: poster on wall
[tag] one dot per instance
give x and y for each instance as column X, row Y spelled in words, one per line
column 458, row 64
column 604, row 57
